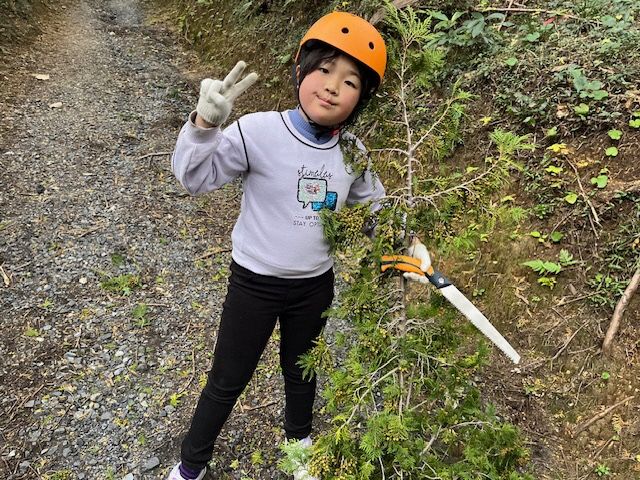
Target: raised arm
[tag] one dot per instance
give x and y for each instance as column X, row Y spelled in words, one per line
column 206, row 158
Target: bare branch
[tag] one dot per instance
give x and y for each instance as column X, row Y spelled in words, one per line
column 155, row 154
column 600, row 416
column 379, row 15
column 462, row 186
column 435, row 124
column 554, row 13
column 619, row 310
column 586, row 198
column 396, row 150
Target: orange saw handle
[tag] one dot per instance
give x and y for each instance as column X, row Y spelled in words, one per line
column 401, row 262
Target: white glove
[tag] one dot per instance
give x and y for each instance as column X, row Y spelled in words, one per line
column 415, row 277
column 217, row 97
column 419, row 251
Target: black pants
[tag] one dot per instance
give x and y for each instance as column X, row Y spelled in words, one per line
column 253, row 305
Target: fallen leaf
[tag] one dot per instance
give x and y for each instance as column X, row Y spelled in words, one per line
column 633, row 97
column 55, row 105
column 40, row 76
column 559, row 148
column 562, row 111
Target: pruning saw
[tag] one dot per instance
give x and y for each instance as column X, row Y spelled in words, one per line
column 415, row 265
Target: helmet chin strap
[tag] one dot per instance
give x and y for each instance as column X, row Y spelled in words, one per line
column 320, row 129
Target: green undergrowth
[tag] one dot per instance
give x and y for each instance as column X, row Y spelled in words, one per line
column 554, row 60
column 19, row 21
column 403, row 399
column 506, row 140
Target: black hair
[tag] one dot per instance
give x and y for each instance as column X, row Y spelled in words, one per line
column 315, row 52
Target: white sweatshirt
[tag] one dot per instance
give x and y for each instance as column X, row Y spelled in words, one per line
column 286, row 181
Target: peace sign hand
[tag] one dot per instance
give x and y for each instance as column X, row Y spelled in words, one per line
column 217, row 96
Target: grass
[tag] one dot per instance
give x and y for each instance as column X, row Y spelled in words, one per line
column 121, row 284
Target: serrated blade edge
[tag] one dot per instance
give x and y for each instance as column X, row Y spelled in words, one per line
column 481, row 322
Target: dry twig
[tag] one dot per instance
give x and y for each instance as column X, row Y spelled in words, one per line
column 505, row 17
column 264, row 405
column 213, row 252
column 24, row 400
column 90, row 230
column 156, row 154
column 576, row 299
column 600, row 416
column 554, row 13
column 379, row 15
column 619, row 310
column 193, row 372
column 599, row 450
column 5, row 277
column 586, row 199
column 566, row 344
column 615, row 187
column 433, row 439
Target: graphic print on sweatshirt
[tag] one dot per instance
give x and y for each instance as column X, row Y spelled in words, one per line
column 313, row 189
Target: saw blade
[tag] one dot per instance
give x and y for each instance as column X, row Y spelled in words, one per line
column 481, row 322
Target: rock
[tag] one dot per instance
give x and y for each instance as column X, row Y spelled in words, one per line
column 150, row 464
column 106, row 416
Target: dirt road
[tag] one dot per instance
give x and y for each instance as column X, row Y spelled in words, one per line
column 111, row 275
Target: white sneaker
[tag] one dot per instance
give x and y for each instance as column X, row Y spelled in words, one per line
column 176, row 475
column 302, row 473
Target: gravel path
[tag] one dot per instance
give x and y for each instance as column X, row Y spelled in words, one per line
column 111, row 276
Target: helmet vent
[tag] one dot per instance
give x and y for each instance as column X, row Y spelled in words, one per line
column 345, row 30
column 371, row 45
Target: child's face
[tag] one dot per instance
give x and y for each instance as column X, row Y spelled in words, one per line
column 329, row 93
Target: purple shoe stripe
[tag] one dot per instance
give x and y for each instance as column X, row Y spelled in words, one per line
column 189, row 474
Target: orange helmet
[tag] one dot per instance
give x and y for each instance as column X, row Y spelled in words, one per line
column 352, row 35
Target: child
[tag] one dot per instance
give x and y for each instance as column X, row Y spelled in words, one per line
column 292, row 166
